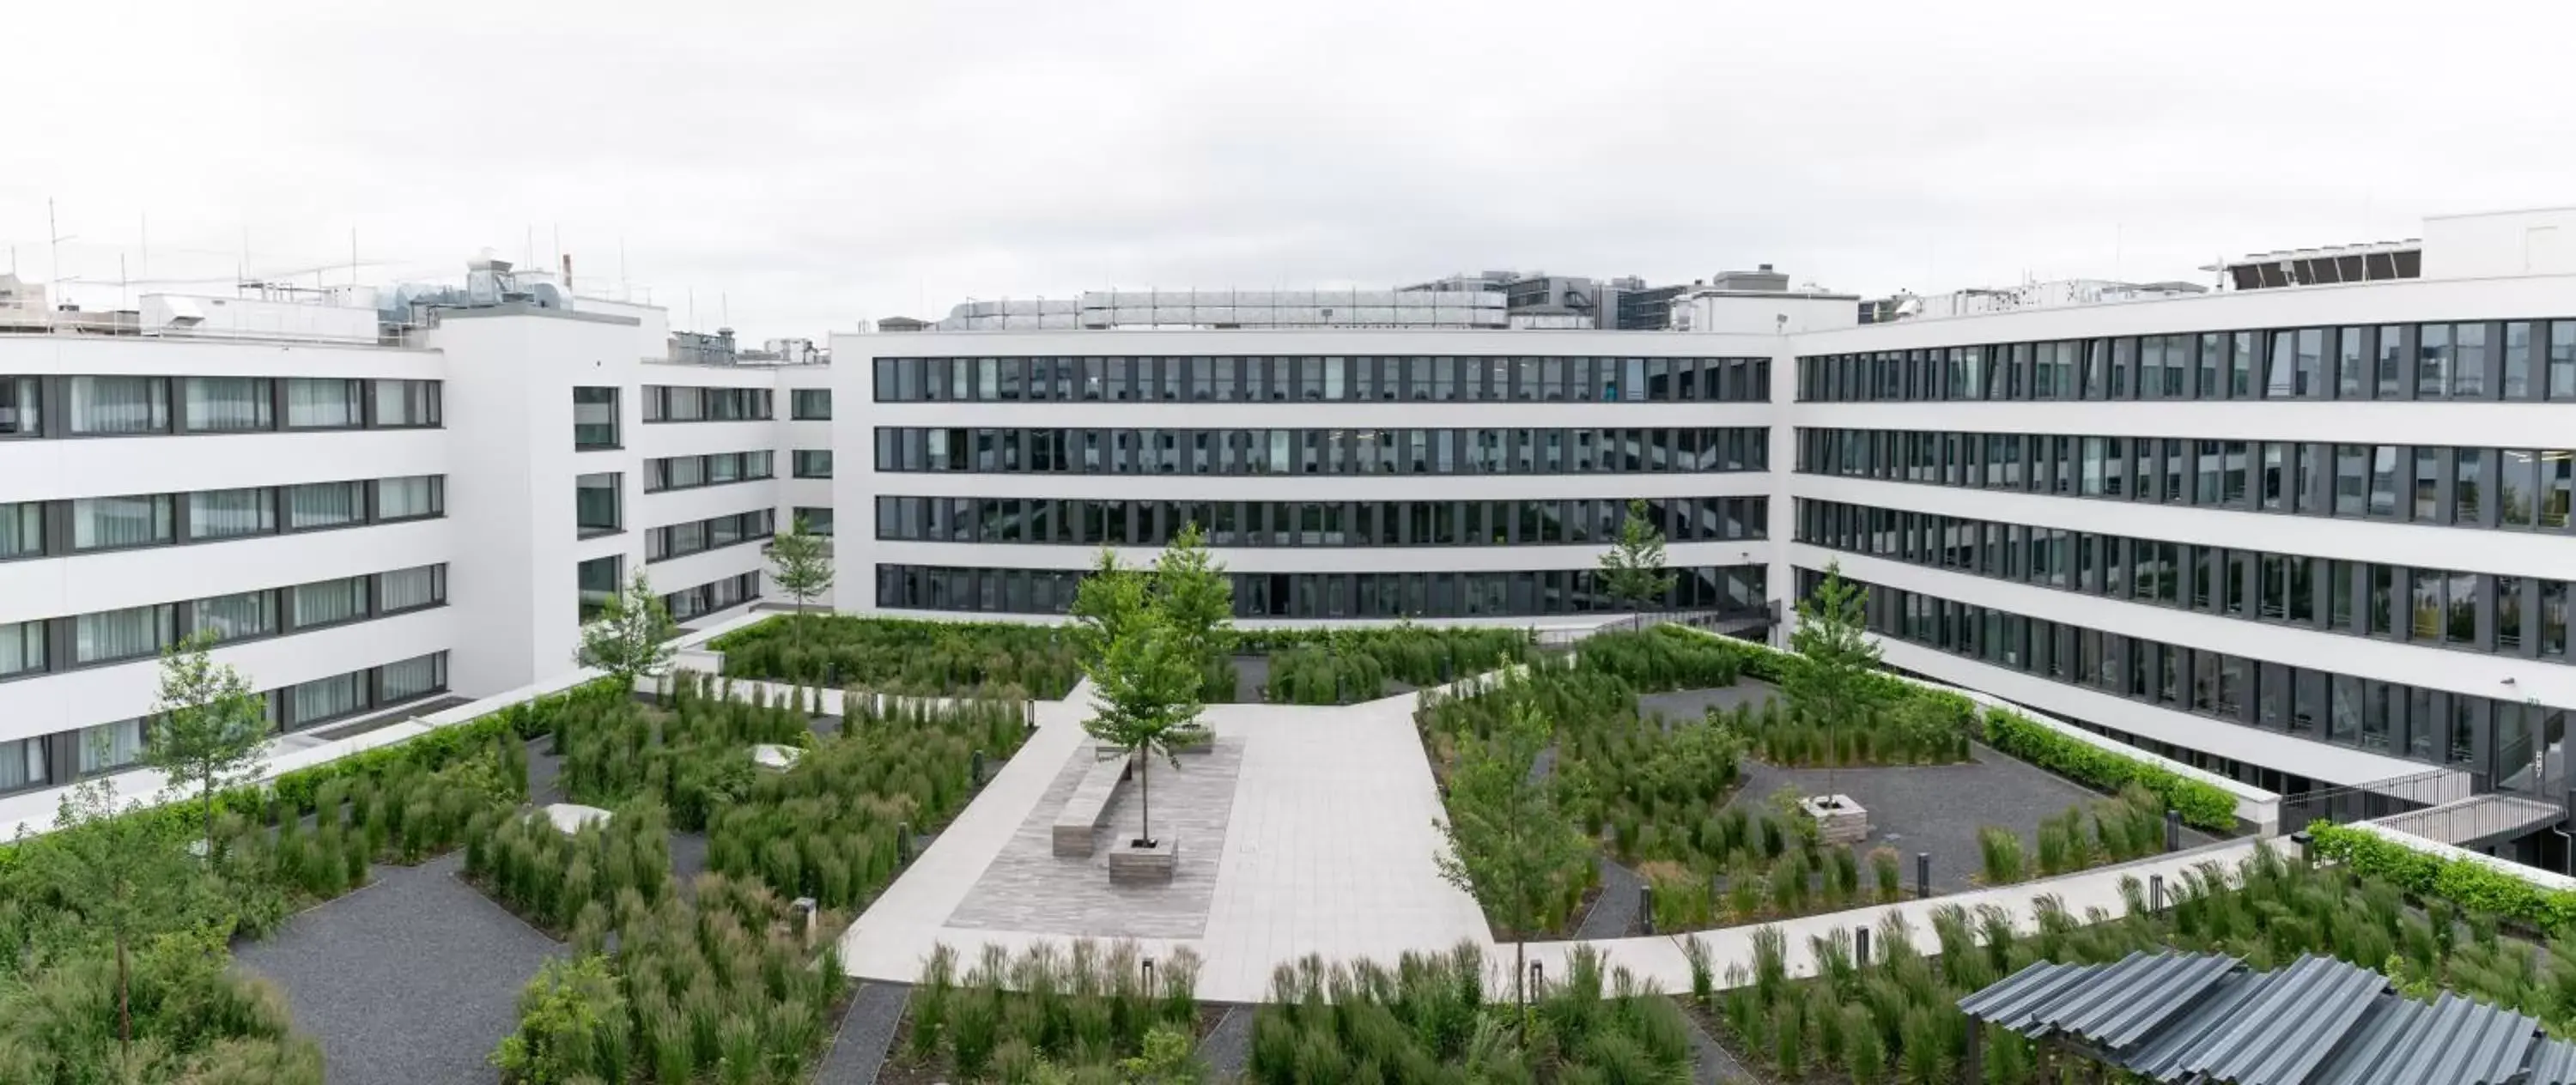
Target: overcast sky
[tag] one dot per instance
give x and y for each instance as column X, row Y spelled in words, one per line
column 799, row 168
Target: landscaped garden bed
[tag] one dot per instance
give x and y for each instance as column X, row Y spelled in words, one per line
column 1091, row 1012
column 1897, row 1016
column 1347, row 666
column 901, row 656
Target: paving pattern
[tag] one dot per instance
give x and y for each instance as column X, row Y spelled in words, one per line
column 1027, row 888
column 410, row 981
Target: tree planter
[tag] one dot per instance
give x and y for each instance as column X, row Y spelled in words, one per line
column 1839, row 820
column 1133, row 864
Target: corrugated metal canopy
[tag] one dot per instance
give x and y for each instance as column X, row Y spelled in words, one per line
column 2176, row 1017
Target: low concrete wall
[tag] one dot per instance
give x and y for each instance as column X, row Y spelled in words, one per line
column 2536, row 876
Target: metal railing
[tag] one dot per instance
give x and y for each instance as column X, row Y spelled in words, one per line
column 2380, row 798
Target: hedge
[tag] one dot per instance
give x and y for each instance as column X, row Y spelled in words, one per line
column 2466, row 882
column 2202, row 804
column 431, row 751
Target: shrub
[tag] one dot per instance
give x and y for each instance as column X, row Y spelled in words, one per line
column 2001, row 850
column 564, row 1022
column 905, row 657
column 2204, row 805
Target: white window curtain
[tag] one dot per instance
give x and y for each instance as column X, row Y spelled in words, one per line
column 407, row 588
column 110, row 745
column 325, row 504
column 22, row 647
column 406, row 403
column 756, row 464
column 218, row 404
column 725, row 468
column 329, row 697
column 224, row 514
column 120, row 521
column 400, row 498
column 120, row 404
column 330, row 601
column 684, row 471
column 321, row 403
column 22, row 529
column 249, row 614
column 120, row 634
column 22, row 764
column 414, row 677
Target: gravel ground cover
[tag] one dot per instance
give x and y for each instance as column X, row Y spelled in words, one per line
column 409, row 981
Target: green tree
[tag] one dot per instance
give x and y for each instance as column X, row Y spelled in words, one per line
column 1196, row 600
column 1832, row 680
column 565, row 1016
column 1633, row 568
column 1508, row 845
column 207, row 726
column 1145, row 680
column 801, row 563
column 632, row 638
column 121, row 872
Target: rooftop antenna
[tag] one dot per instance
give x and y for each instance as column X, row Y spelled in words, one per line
column 55, row 239
column 622, row 288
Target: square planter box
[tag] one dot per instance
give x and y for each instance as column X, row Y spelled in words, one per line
column 1839, row 820
column 1132, row 865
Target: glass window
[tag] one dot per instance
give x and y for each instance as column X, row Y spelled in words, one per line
column 813, row 463
column 2518, row 382
column 816, row 403
column 2466, row 467
column 817, row 521
column 416, row 403
column 2383, row 480
column 325, row 504
column 2352, row 365
column 230, row 617
column 103, row 523
column 226, row 514
column 2432, row 360
column 2557, row 485
column 594, row 417
column 22, row 764
column 2469, row 361
column 414, row 677
column 2562, row 359
column 2428, row 485
column 113, row 405
column 2391, row 369
column 131, row 633
column 327, row 698
column 227, row 404
column 2553, row 619
column 22, row 647
column 2517, row 486
column 409, row 497
column 2462, row 601
column 323, row 403
column 411, row 589
column 19, row 413
column 2429, row 610
column 596, row 503
column 109, row 746
column 328, row 602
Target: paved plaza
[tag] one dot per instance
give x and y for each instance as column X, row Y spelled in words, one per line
column 1322, row 821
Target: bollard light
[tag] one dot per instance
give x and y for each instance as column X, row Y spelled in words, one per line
column 979, row 768
column 1860, row 946
column 1538, row 978
column 903, row 843
column 2173, row 830
column 1149, row 973
column 2155, row 892
column 1923, row 874
column 1646, row 906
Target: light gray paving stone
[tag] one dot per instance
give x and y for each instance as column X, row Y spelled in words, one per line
column 1028, row 888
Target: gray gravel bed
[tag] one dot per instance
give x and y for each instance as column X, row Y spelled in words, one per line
column 543, row 771
column 1939, row 808
column 867, row 1030
column 1614, row 913
column 410, row 981
column 1692, row 704
column 1714, row 1065
column 1227, row 1049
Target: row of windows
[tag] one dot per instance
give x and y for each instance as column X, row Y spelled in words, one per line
column 672, row 403
column 1322, row 451
column 1093, row 522
column 714, row 469
column 2518, row 489
column 810, row 404
column 2482, row 734
column 812, row 463
column 2513, row 360
column 66, row 757
column 44, row 645
column 2508, row 615
column 710, row 597
column 118, row 406
column 1225, row 379
column 713, row 533
column 1332, row 595
column 30, row 529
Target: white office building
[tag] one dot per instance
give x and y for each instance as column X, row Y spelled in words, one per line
column 2310, row 531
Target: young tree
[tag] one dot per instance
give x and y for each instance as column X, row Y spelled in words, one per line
column 1196, row 599
column 632, row 637
column 207, row 726
column 1145, row 679
column 120, row 872
column 801, row 563
column 1508, row 846
column 1830, row 680
column 1633, row 568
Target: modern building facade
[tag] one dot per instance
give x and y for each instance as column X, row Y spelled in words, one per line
column 2312, row 535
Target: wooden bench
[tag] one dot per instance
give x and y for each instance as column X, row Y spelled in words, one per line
column 1089, row 805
